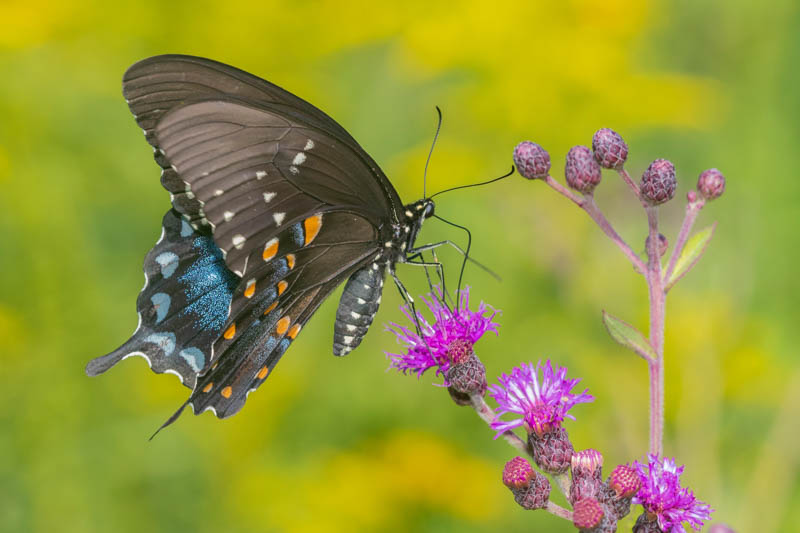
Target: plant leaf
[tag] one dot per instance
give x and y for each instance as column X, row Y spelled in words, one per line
column 691, row 253
column 629, row 336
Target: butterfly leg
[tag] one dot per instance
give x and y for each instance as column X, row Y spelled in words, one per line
column 440, row 293
column 407, row 298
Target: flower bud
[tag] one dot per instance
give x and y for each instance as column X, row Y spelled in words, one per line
column 646, row 524
column 532, row 161
column 663, row 244
column 624, row 481
column 711, row 184
column 552, row 450
column 659, row 182
column 587, row 479
column 467, row 377
column 610, row 150
column 587, row 514
column 691, row 197
column 582, row 171
column 517, row 473
column 535, row 495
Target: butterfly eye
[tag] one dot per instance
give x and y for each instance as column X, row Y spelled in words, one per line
column 429, row 209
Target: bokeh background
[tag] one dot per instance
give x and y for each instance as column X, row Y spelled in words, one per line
column 341, row 444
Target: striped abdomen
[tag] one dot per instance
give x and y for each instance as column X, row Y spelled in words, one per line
column 357, row 307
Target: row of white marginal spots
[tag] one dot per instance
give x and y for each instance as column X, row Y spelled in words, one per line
column 239, row 239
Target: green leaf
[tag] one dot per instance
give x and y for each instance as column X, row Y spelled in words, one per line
column 629, row 336
column 691, row 253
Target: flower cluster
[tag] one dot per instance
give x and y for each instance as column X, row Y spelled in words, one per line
column 452, row 335
column 663, row 497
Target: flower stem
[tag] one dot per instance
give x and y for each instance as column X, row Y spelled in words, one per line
column 657, row 297
column 588, row 204
column 632, row 184
column 692, row 210
column 487, row 414
column 563, row 481
column 557, row 510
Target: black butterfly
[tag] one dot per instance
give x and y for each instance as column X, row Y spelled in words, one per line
column 274, row 205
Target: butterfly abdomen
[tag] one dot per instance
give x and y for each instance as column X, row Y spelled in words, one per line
column 357, row 307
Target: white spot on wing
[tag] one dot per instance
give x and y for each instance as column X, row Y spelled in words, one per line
column 309, row 145
column 228, row 215
column 260, row 174
column 218, row 192
column 294, row 170
column 278, row 218
column 268, row 196
column 238, row 241
column 299, row 159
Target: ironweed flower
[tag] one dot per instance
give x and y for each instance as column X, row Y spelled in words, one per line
column 443, row 342
column 542, row 403
column 664, row 499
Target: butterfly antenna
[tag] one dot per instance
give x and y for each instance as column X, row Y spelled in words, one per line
column 464, row 262
column 476, row 184
column 430, row 153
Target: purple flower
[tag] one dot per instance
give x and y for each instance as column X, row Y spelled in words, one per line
column 542, row 404
column 662, row 495
column 459, row 329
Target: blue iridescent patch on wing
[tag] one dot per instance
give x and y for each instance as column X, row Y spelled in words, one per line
column 298, row 236
column 160, row 301
column 194, row 358
column 165, row 341
column 168, row 261
column 209, row 286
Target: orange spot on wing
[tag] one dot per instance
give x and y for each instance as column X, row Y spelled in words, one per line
column 270, row 249
column 312, row 226
column 283, row 325
column 282, row 286
column 208, row 387
column 263, row 372
column 294, row 331
column 250, row 289
column 230, row 332
column 271, row 308
column 226, row 392
column 290, row 259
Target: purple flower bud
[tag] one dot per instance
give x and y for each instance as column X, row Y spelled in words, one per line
column 552, row 451
column 691, row 197
column 582, row 171
column 659, row 182
column 587, row 514
column 517, row 473
column 647, row 524
column 587, row 478
column 663, row 244
column 711, row 184
column 610, row 150
column 532, row 161
column 625, row 481
column 468, row 376
column 535, row 494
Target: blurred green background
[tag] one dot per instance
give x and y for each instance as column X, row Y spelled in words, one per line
column 340, row 444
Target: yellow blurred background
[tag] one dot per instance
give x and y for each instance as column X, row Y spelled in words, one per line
column 340, row 444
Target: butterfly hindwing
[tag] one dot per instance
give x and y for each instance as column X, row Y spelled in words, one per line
column 182, row 307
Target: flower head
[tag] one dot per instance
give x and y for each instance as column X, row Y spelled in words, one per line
column 532, row 161
column 543, row 404
column 662, row 495
column 452, row 333
column 610, row 150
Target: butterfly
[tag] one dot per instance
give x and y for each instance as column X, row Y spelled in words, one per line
column 274, row 205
